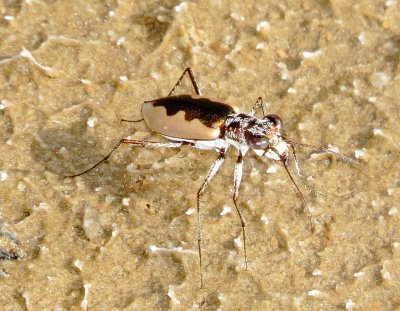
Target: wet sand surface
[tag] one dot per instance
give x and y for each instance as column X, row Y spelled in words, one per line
column 122, row 237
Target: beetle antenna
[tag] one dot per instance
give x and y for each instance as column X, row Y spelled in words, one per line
column 300, row 173
column 322, row 149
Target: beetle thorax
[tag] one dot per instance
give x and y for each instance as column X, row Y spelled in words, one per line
column 235, row 127
column 245, row 131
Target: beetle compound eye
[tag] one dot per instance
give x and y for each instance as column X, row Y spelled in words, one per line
column 258, row 142
column 275, row 121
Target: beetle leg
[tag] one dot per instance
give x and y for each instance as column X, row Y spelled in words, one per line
column 237, row 178
column 188, row 71
column 138, row 143
column 259, row 103
column 211, row 173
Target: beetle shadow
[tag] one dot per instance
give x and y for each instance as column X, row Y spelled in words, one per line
column 65, row 151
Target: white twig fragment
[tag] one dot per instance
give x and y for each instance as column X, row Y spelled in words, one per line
column 178, row 250
column 261, row 45
column 42, row 205
column 3, row 104
column 386, row 275
column 3, row 175
column 317, row 272
column 362, row 38
column 78, row 264
column 391, row 2
column 264, row 218
column 393, row 211
column 238, row 242
column 115, row 230
column 358, row 274
column 85, row 81
column 21, row 186
column 359, row 153
column 171, row 294
column 63, row 150
column 307, row 54
column 284, row 70
column 154, row 75
column 85, row 302
column 379, row 79
column 272, row 169
column 314, row 293
column 190, row 211
column 333, row 148
column 237, row 17
column 181, row 6
column 262, row 25
column 378, row 132
column 225, row 210
column 349, row 304
column 91, row 122
column 120, row 41
column 130, row 168
column 26, row 54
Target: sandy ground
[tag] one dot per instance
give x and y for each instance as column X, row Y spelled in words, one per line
column 123, row 236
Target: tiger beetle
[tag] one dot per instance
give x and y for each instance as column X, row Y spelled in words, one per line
column 203, row 123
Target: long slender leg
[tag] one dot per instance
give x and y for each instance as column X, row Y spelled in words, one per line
column 210, row 175
column 259, row 103
column 237, row 177
column 284, row 161
column 188, row 71
column 138, row 143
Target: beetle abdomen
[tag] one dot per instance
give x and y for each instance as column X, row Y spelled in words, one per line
column 186, row 116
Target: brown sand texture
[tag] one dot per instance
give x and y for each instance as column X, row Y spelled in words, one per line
column 123, row 237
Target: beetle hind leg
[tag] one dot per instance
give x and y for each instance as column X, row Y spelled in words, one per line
column 133, row 142
column 188, row 71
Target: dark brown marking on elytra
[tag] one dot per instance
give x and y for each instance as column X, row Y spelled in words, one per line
column 211, row 113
